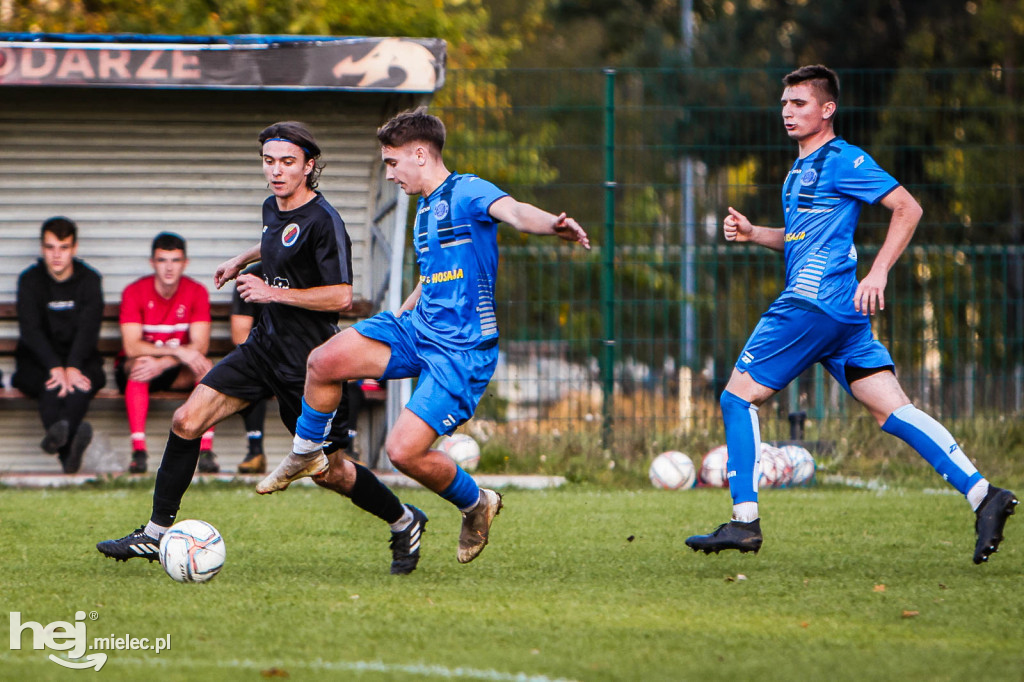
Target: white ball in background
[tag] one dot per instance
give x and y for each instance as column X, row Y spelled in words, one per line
column 672, row 470
column 802, row 462
column 714, row 467
column 776, row 471
column 462, row 449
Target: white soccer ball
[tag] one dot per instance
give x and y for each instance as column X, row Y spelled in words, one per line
column 192, row 551
column 776, row 471
column 802, row 462
column 714, row 467
column 672, row 470
column 463, row 450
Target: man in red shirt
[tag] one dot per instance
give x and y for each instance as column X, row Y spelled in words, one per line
column 165, row 328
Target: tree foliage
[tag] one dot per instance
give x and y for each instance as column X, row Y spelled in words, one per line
column 465, row 24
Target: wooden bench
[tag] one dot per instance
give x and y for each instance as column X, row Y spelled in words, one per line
column 220, row 345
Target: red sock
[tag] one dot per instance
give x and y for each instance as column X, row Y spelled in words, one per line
column 206, row 443
column 136, row 403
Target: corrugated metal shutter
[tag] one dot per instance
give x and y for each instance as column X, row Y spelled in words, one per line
column 126, row 164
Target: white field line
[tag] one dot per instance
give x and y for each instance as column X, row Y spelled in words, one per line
column 418, row 669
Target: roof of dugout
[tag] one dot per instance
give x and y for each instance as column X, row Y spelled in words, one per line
column 240, row 62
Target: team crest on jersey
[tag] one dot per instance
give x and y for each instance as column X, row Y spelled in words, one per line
column 441, row 209
column 290, row 234
column 808, row 177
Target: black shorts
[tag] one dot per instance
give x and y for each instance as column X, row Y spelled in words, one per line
column 163, row 382
column 245, row 374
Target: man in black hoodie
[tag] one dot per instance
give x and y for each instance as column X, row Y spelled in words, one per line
column 60, row 308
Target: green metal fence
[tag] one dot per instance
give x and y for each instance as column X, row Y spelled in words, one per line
column 638, row 337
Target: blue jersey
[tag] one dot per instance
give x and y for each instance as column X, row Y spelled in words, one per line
column 822, row 198
column 456, row 242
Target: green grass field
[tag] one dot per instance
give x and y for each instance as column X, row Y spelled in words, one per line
column 577, row 584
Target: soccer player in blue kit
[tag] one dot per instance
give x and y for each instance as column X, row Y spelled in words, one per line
column 822, row 316
column 306, row 261
column 445, row 333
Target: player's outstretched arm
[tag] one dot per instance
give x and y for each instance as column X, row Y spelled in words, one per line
column 528, row 218
column 230, row 268
column 906, row 214
column 332, row 298
column 737, row 228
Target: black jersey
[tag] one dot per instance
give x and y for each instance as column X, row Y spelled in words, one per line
column 303, row 248
column 59, row 322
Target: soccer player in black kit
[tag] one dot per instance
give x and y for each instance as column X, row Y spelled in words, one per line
column 305, row 254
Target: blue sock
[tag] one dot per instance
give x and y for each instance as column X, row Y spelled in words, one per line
column 313, row 425
column 743, row 439
column 463, row 492
column 933, row 442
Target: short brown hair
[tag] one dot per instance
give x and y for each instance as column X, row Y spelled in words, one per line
column 412, row 126
column 823, row 79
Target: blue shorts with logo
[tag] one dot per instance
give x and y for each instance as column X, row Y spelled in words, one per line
column 790, row 338
column 450, row 383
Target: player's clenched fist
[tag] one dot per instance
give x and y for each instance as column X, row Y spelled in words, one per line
column 736, row 226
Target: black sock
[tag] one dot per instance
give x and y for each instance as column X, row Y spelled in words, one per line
column 369, row 494
column 254, row 417
column 174, row 477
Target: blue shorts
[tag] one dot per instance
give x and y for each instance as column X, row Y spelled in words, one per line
column 789, row 339
column 451, row 381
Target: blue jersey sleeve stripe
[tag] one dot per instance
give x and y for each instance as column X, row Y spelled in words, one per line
column 493, row 201
column 886, row 193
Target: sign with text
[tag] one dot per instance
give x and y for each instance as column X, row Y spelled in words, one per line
column 355, row 64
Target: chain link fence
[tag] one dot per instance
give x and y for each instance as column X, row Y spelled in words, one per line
column 632, row 342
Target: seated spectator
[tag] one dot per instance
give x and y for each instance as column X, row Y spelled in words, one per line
column 165, row 329
column 60, row 308
column 243, row 316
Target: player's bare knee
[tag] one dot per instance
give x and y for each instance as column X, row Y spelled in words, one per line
column 400, row 456
column 319, row 366
column 186, row 424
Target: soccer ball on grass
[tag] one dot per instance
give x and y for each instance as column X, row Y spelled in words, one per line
column 192, row 551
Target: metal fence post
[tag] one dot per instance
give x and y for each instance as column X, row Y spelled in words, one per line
column 608, row 267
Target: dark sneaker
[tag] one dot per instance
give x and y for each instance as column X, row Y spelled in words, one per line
column 135, row 545
column 208, row 463
column 253, row 464
column 997, row 506
column 476, row 525
column 138, row 463
column 405, row 544
column 78, row 445
column 56, row 437
column 746, row 537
